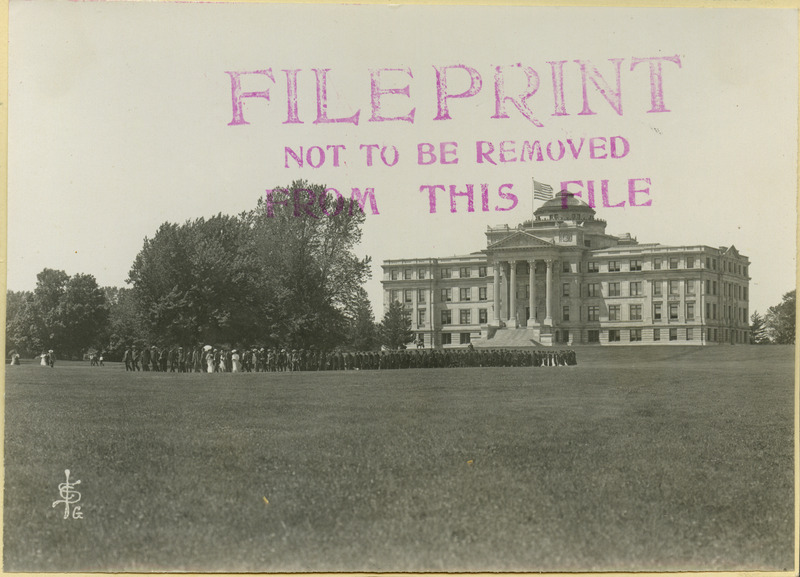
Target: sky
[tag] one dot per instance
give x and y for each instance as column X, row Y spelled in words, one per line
column 121, row 117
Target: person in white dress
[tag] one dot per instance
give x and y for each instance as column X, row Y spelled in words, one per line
column 235, row 362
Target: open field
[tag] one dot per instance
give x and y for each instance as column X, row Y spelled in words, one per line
column 648, row 458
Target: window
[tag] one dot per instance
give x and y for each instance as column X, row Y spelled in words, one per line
column 673, row 311
column 594, row 289
column 465, row 294
column 673, row 334
column 565, row 336
column 689, row 311
column 463, row 272
column 636, row 265
column 446, row 273
column 714, row 263
column 464, row 316
column 447, row 317
column 708, row 265
column 688, row 287
column 613, row 289
column 395, row 295
column 594, row 336
column 714, row 286
column 674, row 287
column 656, row 264
column 635, row 312
column 407, row 274
column 613, row 312
column 481, row 271
column 636, row 288
column 447, row 338
column 673, row 262
column 421, row 273
column 395, row 275
column 587, row 244
column 656, row 311
column 483, row 316
column 708, row 310
column 407, row 296
column 565, row 266
column 689, row 262
column 744, row 293
column 421, row 317
column 447, row 295
column 613, row 335
column 593, row 313
column 657, row 288
column 613, row 266
column 592, row 266
column 464, row 338
column 656, row 334
column 636, row 335
column 565, row 289
column 689, row 334
column 708, row 287
column 482, row 293
column 565, row 313
column 421, row 295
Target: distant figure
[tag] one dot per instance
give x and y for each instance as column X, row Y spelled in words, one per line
column 100, row 359
column 15, row 358
column 128, row 358
column 51, row 358
column 210, row 361
column 236, row 365
column 44, row 359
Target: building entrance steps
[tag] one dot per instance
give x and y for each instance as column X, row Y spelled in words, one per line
column 508, row 337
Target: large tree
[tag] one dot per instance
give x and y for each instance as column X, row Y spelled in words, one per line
column 780, row 320
column 63, row 313
column 21, row 325
column 758, row 329
column 361, row 329
column 270, row 276
column 395, row 329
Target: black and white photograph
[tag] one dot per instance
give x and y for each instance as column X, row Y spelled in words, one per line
column 400, row 288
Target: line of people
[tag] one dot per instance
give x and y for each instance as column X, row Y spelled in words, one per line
column 208, row 359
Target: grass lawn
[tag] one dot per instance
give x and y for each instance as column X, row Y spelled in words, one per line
column 641, row 458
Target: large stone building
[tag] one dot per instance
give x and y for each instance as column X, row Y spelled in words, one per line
column 560, row 279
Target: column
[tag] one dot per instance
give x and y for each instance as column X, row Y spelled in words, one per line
column 512, row 295
column 496, row 268
column 532, row 293
column 548, row 319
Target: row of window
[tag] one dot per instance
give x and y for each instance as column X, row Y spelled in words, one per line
column 422, row 273
column 614, row 289
column 634, row 265
column 635, row 335
column 635, row 288
column 465, row 294
column 463, row 338
column 634, row 312
column 464, row 317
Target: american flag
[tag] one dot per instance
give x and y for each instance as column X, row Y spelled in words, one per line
column 542, row 191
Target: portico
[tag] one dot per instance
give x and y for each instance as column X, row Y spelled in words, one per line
column 507, row 311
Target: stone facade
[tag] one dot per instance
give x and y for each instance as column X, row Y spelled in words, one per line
column 560, row 279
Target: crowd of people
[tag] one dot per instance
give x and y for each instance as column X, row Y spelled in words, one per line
column 208, row 359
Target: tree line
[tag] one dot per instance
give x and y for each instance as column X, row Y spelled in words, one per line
column 777, row 326
column 262, row 277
